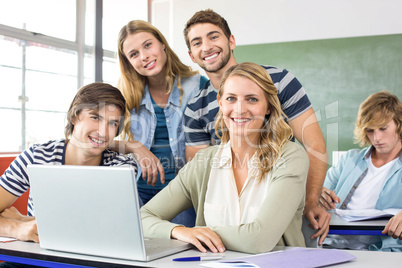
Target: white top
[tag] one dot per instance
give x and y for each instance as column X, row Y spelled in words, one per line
column 368, row 191
column 223, row 205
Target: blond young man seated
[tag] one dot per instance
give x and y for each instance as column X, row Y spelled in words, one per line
column 370, row 178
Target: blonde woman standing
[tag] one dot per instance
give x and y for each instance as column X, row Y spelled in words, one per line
column 157, row 87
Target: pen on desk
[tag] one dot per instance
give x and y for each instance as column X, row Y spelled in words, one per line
column 210, row 258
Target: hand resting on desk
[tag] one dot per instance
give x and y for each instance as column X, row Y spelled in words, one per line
column 199, row 237
column 394, row 226
column 21, row 227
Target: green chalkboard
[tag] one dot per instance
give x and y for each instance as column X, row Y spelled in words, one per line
column 338, row 74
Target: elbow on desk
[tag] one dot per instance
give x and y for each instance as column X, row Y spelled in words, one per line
column 254, row 244
column 262, row 249
column 254, row 248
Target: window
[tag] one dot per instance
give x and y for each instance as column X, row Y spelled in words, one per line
column 48, row 17
column 46, row 55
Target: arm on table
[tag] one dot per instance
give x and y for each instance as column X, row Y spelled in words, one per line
column 149, row 163
column 394, row 227
column 12, row 223
column 156, row 217
column 200, row 237
column 159, row 221
column 308, row 132
column 261, row 235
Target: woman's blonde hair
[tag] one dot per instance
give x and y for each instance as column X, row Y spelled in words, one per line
column 375, row 112
column 131, row 83
column 275, row 132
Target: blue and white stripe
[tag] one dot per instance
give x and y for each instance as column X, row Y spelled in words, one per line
column 16, row 180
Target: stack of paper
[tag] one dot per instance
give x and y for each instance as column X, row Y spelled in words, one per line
column 290, row 258
column 6, row 239
column 366, row 214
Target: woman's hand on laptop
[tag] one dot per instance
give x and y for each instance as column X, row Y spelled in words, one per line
column 199, row 237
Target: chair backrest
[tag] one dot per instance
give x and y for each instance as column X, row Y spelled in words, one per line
column 5, row 161
column 336, row 155
column 22, row 202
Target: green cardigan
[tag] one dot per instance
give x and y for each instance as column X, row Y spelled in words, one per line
column 277, row 224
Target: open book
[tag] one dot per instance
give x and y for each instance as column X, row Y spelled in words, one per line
column 290, row 258
column 366, row 214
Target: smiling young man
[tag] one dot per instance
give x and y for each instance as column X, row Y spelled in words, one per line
column 370, row 178
column 94, row 119
column 211, row 46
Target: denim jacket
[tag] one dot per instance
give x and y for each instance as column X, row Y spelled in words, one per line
column 143, row 122
column 342, row 177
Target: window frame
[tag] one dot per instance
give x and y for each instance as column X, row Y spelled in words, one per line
column 78, row 46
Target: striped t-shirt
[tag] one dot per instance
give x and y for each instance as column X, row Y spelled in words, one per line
column 199, row 116
column 16, row 181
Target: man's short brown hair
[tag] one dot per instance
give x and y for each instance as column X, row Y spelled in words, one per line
column 206, row 16
column 95, row 97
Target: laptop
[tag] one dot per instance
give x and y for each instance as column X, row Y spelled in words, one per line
column 93, row 210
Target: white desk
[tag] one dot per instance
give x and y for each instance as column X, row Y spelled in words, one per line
column 337, row 225
column 337, row 220
column 32, row 252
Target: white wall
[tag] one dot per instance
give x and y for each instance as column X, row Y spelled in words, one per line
column 272, row 21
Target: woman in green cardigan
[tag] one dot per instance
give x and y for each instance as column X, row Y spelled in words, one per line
column 248, row 192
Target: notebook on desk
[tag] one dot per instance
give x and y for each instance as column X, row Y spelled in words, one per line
column 93, row 210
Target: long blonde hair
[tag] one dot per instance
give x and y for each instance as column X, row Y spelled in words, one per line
column 131, row 83
column 275, row 132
